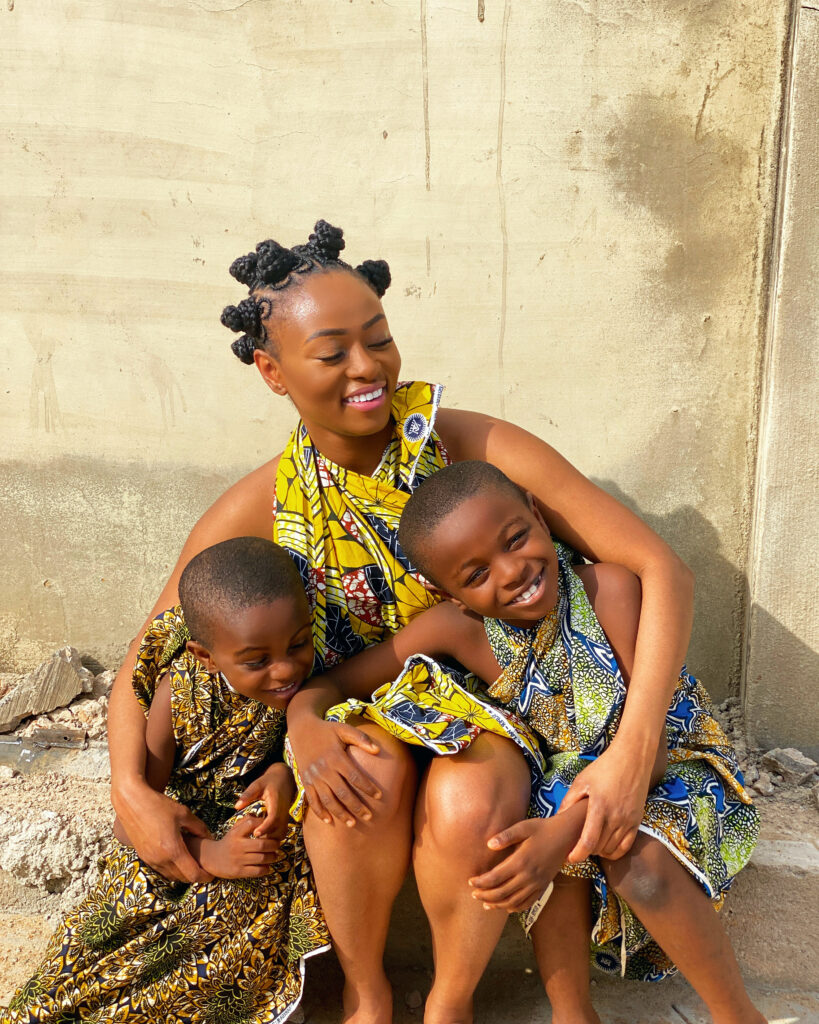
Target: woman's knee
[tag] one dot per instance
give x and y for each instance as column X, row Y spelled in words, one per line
column 643, row 877
column 471, row 796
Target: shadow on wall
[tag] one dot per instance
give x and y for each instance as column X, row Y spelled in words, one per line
column 721, row 597
column 781, row 695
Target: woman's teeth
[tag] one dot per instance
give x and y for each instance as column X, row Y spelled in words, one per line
column 368, row 396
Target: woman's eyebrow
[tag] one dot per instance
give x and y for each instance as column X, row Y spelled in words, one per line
column 330, row 331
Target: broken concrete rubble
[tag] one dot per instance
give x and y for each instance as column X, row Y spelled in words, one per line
column 52, row 685
column 791, row 764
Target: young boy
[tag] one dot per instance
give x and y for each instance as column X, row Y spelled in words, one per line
column 214, row 682
column 559, row 642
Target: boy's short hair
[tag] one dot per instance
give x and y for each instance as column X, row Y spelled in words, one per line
column 438, row 497
column 234, row 574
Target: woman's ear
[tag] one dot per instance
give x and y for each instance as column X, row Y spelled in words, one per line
column 202, row 655
column 270, row 370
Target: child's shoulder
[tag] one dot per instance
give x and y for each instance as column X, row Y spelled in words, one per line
column 615, row 595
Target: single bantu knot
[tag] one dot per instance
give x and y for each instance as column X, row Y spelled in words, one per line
column 244, row 269
column 244, row 317
column 243, row 348
column 326, row 241
column 274, row 262
column 377, row 273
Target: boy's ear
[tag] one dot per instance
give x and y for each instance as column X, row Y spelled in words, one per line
column 533, row 505
column 202, row 654
column 444, row 595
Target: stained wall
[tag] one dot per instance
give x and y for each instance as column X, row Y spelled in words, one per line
column 576, row 200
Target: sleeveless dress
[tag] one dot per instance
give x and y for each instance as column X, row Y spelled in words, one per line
column 562, row 676
column 341, row 529
column 142, row 949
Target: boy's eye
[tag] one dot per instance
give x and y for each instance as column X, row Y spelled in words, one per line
column 258, row 663
column 297, row 646
column 477, row 576
column 516, row 538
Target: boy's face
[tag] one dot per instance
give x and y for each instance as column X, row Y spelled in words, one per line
column 494, row 556
column 265, row 651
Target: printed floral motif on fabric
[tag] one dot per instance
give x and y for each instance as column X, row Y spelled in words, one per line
column 144, row 950
column 563, row 678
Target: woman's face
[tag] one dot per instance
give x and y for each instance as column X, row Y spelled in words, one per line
column 333, row 354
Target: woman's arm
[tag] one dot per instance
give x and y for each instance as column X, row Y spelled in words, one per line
column 160, row 746
column 603, row 530
column 153, row 822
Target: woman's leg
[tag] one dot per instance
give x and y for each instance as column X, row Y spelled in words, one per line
column 561, row 937
column 464, row 800
column 358, row 874
column 679, row 917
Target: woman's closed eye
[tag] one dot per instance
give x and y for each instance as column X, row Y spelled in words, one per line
column 332, row 357
column 382, row 344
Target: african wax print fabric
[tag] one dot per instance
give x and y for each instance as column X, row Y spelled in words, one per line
column 564, row 679
column 341, row 528
column 142, row 949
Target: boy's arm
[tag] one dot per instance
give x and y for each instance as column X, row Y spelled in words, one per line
column 161, row 747
column 335, row 784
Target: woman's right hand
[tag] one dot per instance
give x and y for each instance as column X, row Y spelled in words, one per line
column 335, row 785
column 155, row 824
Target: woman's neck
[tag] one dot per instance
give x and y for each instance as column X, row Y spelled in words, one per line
column 358, row 454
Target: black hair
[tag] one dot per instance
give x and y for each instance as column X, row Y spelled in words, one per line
column 438, row 497
column 272, row 267
column 234, row 574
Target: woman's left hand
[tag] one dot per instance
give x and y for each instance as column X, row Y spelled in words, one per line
column 277, row 789
column 616, row 786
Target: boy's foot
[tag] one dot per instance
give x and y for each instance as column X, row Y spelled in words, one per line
column 370, row 1005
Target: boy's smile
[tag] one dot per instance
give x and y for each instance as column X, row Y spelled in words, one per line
column 264, row 651
column 494, row 555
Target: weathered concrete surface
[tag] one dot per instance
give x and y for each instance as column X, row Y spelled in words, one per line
column 575, row 199
column 51, row 685
column 783, row 642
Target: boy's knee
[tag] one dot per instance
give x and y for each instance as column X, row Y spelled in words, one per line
column 468, row 801
column 642, row 878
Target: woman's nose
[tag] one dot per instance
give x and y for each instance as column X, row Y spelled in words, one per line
column 361, row 363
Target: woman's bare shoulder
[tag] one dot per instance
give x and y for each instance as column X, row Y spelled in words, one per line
column 245, row 508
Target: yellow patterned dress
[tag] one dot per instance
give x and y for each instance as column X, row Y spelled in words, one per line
column 340, row 528
column 144, row 950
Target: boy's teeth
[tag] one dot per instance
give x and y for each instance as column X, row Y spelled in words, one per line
column 529, row 591
column 368, row 397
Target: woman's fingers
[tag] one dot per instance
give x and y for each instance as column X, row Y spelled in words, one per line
column 620, row 844
column 590, row 836
column 255, row 791
column 341, row 802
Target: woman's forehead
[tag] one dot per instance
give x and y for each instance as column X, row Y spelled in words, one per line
column 332, row 301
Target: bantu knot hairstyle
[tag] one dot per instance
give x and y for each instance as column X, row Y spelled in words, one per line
column 438, row 497
column 235, row 574
column 272, row 267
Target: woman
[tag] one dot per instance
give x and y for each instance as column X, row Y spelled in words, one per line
column 316, row 331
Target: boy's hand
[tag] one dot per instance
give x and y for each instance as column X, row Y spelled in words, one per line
column 520, row 878
column 335, row 786
column 277, row 788
column 616, row 790
column 238, row 854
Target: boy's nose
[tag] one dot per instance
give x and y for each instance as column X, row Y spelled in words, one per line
column 511, row 572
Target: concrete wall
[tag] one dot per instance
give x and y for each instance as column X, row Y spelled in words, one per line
column 576, row 199
column 782, row 698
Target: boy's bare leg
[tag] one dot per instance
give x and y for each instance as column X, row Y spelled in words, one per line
column 464, row 800
column 679, row 916
column 358, row 874
column 561, row 937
